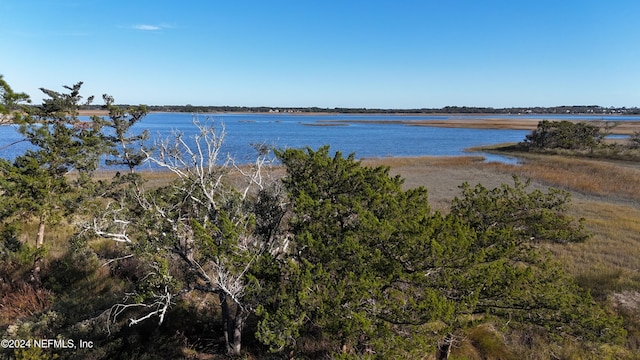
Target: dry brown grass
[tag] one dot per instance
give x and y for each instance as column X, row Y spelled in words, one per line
column 610, row 260
column 442, row 176
column 596, row 177
column 21, row 300
column 423, row 161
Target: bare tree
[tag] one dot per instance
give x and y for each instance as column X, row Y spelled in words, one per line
column 212, row 220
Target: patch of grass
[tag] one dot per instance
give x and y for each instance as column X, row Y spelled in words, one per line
column 495, row 148
column 483, row 342
column 600, row 178
column 610, row 260
column 423, row 161
column 602, row 282
column 55, row 236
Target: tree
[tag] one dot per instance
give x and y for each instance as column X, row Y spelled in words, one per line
column 122, row 119
column 532, row 216
column 339, row 273
column 372, row 267
column 634, row 140
column 36, row 183
column 564, row 135
column 11, row 103
column 197, row 234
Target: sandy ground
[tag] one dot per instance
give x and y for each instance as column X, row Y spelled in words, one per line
column 443, row 176
column 443, row 183
column 93, row 112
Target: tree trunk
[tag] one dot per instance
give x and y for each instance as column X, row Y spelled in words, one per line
column 35, row 270
column 444, row 348
column 232, row 325
column 240, row 317
column 40, row 237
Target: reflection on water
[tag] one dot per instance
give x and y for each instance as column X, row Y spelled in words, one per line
column 511, row 160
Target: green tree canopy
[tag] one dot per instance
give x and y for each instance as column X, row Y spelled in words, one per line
column 11, row 103
column 564, row 135
column 373, row 267
column 36, row 183
column 121, row 119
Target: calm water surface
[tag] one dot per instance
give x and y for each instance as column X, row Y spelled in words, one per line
column 287, row 130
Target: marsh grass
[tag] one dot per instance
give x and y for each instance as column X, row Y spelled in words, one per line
column 608, row 200
column 399, row 162
column 594, row 177
column 609, row 262
column 442, row 176
column 483, row 342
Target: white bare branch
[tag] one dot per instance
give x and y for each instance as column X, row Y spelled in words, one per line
column 198, row 196
column 119, row 237
column 160, row 307
column 118, row 259
column 111, row 226
column 231, row 284
column 201, row 162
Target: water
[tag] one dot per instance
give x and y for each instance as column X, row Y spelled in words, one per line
column 366, row 140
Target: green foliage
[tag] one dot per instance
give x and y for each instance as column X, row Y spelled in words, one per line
column 634, row 140
column 9, row 241
column 348, row 221
column 64, row 142
column 36, row 183
column 579, row 139
column 532, row 216
column 12, row 104
column 372, row 264
column 121, row 120
column 564, row 135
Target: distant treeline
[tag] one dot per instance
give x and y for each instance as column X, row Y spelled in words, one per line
column 575, row 109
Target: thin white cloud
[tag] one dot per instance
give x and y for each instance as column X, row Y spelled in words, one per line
column 146, row 27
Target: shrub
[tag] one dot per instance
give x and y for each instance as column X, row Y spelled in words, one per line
column 634, row 140
column 22, row 300
column 564, row 135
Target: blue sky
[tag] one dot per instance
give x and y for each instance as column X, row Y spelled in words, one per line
column 374, row 54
